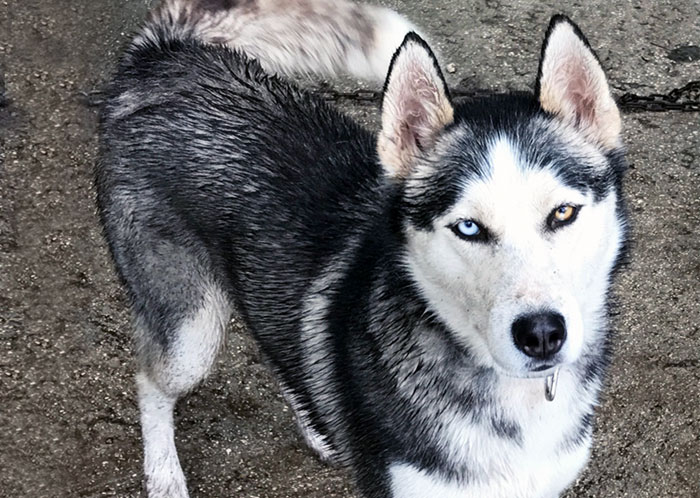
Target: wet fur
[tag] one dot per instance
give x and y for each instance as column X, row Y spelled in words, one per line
column 221, row 187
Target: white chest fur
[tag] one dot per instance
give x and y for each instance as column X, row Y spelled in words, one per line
column 534, row 462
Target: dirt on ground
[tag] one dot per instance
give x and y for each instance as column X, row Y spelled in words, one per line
column 68, row 416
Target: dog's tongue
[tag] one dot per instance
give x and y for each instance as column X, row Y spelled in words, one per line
column 550, row 385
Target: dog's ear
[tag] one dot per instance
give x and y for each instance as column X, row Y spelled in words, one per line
column 416, row 106
column 571, row 84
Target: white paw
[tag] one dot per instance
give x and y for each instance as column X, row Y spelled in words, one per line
column 166, row 481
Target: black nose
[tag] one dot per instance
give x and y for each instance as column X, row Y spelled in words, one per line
column 540, row 335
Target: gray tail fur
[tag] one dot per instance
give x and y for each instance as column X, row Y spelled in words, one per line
column 292, row 37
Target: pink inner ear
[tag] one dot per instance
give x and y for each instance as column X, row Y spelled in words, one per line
column 413, row 123
column 418, row 107
column 573, row 86
column 580, row 91
column 414, row 111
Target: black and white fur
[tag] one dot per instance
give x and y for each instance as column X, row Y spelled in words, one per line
column 385, row 278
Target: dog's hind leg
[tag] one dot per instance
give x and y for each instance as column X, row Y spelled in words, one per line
column 164, row 477
column 168, row 371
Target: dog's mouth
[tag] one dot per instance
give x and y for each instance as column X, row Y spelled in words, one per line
column 542, row 368
column 541, row 371
column 548, row 371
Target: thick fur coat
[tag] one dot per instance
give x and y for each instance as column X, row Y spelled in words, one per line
column 410, row 290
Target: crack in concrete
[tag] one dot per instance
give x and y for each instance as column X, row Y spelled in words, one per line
column 683, row 99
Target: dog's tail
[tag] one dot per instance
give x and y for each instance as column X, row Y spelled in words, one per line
column 322, row 37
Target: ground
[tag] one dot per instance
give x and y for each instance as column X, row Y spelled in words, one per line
column 67, row 408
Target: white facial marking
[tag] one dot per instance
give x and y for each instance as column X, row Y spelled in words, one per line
column 480, row 289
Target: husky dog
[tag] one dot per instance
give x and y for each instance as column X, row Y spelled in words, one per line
column 419, row 294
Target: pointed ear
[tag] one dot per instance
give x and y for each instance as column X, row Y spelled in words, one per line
column 416, row 106
column 571, row 84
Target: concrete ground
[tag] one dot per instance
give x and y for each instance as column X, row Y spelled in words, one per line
column 68, row 418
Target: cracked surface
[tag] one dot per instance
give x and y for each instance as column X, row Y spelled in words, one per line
column 67, row 405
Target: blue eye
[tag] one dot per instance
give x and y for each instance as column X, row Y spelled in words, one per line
column 470, row 230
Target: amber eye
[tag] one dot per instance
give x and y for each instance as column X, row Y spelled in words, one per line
column 563, row 215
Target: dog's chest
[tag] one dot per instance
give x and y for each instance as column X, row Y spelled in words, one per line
column 522, row 446
column 548, row 479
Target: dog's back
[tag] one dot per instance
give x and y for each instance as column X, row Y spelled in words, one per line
column 377, row 273
column 220, row 185
column 204, row 157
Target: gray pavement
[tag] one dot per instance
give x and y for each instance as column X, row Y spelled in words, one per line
column 68, row 418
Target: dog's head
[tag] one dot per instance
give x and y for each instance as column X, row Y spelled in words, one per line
column 511, row 205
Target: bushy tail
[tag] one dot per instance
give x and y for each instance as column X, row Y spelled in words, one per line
column 323, row 37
